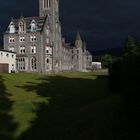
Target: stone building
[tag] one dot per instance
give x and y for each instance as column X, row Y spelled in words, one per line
column 7, row 61
column 39, row 45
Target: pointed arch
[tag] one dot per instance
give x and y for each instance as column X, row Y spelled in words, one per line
column 22, row 26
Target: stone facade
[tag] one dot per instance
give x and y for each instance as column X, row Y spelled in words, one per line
column 7, row 61
column 39, row 45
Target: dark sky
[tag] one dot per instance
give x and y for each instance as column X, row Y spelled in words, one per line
column 102, row 23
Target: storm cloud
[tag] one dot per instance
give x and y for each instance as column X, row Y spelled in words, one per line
column 102, row 23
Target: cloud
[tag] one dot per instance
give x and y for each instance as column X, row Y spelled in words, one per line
column 102, row 23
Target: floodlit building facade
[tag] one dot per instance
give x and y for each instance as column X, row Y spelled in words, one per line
column 39, row 46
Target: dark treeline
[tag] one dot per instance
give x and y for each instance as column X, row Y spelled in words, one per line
column 124, row 80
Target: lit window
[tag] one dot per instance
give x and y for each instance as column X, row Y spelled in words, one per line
column 22, row 27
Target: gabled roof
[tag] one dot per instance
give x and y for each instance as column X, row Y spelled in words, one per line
column 39, row 20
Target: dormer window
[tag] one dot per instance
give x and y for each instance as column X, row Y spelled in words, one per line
column 33, row 25
column 22, row 27
column 12, row 28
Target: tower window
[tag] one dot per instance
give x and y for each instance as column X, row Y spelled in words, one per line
column 33, row 38
column 46, row 3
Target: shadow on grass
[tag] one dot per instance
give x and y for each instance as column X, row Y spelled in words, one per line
column 7, row 126
column 78, row 109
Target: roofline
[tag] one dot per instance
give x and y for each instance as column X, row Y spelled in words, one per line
column 7, row 51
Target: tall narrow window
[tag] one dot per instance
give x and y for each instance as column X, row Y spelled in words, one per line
column 22, row 27
column 46, row 4
column 33, row 25
column 49, row 5
column 33, row 49
column 33, row 64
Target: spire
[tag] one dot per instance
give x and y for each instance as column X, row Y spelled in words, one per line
column 78, row 37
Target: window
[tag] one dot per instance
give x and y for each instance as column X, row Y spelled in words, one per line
column 33, row 63
column 47, row 60
column 33, row 38
column 11, row 28
column 48, row 65
column 21, row 65
column 22, row 27
column 77, row 51
column 46, row 3
column 22, row 50
column 12, row 56
column 47, row 50
column 33, row 25
column 33, row 49
column 21, row 39
column 7, row 55
column 11, row 48
column 11, row 39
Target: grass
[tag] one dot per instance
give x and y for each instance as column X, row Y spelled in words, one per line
column 64, row 106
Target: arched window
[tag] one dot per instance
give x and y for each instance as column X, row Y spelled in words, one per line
column 33, row 63
column 47, row 61
column 22, row 27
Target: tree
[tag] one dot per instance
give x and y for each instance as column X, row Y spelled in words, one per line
column 130, row 47
column 107, row 60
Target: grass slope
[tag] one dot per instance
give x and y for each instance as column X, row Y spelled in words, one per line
column 67, row 106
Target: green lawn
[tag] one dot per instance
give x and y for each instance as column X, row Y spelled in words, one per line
column 65, row 106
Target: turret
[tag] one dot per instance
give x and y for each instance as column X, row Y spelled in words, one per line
column 78, row 41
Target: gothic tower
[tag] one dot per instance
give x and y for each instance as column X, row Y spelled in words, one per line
column 48, row 7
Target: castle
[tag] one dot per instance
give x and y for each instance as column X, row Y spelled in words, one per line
column 39, row 45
